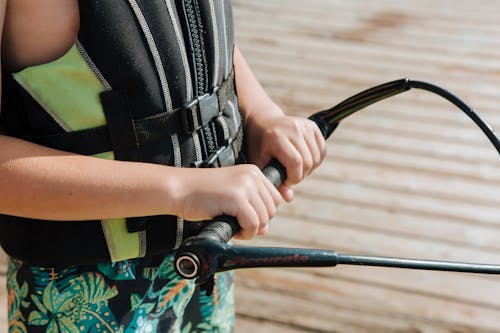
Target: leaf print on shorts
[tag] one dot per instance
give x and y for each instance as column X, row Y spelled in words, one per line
column 82, row 306
column 15, row 299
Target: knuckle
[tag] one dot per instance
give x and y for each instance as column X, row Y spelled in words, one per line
column 308, row 162
column 252, row 170
column 295, row 161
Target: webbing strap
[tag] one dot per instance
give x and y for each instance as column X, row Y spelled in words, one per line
column 121, row 127
column 160, row 126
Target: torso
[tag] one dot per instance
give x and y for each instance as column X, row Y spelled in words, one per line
column 37, row 32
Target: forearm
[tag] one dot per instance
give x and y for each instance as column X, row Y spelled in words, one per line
column 253, row 100
column 42, row 183
column 38, row 182
column 295, row 142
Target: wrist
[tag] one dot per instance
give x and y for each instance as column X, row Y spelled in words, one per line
column 173, row 190
column 261, row 113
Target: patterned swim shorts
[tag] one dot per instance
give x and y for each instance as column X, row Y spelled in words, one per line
column 139, row 295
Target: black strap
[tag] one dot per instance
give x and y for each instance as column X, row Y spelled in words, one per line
column 121, row 127
column 97, row 140
column 87, row 142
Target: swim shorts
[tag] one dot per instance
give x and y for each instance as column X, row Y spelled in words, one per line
column 140, row 295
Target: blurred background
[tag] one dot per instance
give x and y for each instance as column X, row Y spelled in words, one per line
column 411, row 176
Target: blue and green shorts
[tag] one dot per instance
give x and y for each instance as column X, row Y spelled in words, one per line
column 139, row 295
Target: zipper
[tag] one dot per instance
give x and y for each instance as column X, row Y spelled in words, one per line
column 193, row 20
column 196, row 39
column 178, row 162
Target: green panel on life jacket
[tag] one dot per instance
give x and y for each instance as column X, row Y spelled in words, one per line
column 68, row 90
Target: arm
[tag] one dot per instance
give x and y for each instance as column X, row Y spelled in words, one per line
column 42, row 183
column 296, row 142
column 39, row 182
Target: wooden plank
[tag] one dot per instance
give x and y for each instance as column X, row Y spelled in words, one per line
column 482, row 192
column 313, row 87
column 318, row 210
column 329, row 305
column 350, row 151
column 399, row 201
column 245, row 323
column 345, row 237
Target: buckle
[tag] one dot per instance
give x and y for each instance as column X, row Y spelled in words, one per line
column 199, row 112
column 223, row 156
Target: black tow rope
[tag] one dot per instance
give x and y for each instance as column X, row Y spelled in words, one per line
column 200, row 257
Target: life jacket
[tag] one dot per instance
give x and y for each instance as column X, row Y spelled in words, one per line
column 148, row 81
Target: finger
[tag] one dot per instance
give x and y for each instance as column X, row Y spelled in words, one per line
column 260, row 208
column 314, row 150
column 320, row 142
column 249, row 221
column 273, row 191
column 292, row 161
column 303, row 149
column 263, row 231
column 269, row 201
column 286, row 192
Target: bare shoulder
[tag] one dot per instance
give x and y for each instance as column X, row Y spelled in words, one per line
column 37, row 31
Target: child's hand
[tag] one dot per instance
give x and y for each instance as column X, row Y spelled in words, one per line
column 241, row 191
column 296, row 142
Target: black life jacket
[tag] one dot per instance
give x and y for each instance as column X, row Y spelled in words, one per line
column 147, row 80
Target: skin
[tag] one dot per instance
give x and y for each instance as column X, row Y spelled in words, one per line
column 43, row 183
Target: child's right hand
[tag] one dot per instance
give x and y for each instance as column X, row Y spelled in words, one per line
column 241, row 191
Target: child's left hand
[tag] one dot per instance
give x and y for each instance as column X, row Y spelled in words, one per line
column 296, row 142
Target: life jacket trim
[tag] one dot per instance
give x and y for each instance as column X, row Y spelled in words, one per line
column 92, row 65
column 154, row 53
column 216, row 45
column 182, row 49
column 228, row 54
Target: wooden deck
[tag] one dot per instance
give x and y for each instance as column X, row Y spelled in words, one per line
column 410, row 176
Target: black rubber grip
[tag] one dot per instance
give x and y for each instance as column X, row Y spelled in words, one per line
column 275, row 172
column 224, row 227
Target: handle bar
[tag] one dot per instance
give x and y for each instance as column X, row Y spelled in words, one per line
column 200, row 256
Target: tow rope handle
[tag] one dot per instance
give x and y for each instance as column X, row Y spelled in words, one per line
column 224, row 227
column 203, row 255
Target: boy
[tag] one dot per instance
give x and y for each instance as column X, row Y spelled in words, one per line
column 109, row 110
